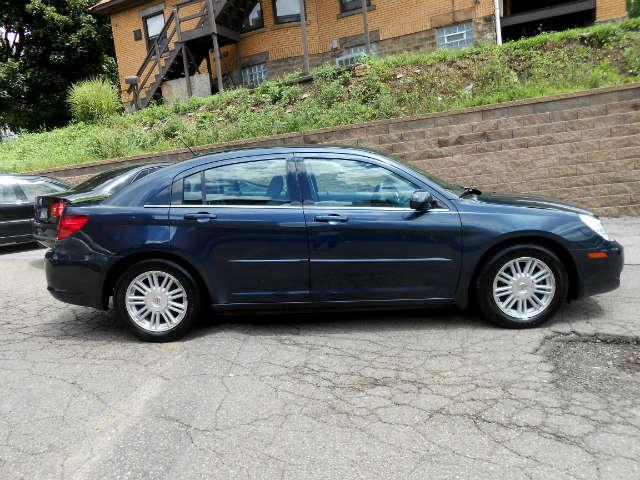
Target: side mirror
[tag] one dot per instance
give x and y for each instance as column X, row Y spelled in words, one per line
column 422, row 201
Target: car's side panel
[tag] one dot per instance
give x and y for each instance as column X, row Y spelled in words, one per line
column 486, row 226
column 249, row 254
column 15, row 218
column 383, row 254
column 376, row 253
column 82, row 262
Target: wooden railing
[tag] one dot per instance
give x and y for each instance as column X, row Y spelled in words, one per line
column 162, row 53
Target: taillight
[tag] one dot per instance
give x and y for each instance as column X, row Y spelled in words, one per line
column 70, row 224
column 56, row 209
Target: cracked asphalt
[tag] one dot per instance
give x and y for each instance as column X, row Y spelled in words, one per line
column 385, row 395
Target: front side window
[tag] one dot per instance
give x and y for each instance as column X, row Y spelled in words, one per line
column 352, row 55
column 254, row 75
column 352, row 183
column 263, row 182
column 454, row 36
column 254, row 20
column 351, row 5
column 286, row 11
column 153, row 25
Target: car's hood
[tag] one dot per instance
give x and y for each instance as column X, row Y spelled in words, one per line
column 531, row 201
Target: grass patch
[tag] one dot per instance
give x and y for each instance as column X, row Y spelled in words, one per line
column 408, row 84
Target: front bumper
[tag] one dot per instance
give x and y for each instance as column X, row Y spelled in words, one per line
column 74, row 280
column 599, row 275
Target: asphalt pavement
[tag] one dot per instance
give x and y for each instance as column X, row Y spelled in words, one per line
column 390, row 395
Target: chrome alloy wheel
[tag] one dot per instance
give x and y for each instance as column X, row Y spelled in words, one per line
column 524, row 287
column 156, row 301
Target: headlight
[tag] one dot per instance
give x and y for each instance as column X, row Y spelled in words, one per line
column 596, row 225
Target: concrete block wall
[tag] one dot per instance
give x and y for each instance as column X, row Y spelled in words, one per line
column 583, row 147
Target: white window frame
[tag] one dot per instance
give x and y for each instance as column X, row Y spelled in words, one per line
column 455, row 36
column 350, row 55
column 254, row 75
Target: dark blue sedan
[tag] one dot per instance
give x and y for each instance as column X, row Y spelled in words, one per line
column 319, row 227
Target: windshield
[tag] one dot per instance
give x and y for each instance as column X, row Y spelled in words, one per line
column 456, row 190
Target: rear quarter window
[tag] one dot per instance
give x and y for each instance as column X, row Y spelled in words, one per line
column 163, row 197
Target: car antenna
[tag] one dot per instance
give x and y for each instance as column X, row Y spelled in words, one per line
column 187, row 145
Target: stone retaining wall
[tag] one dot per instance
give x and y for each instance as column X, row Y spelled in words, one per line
column 584, row 147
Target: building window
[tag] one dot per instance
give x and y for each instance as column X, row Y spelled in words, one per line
column 153, row 25
column 351, row 55
column 286, row 11
column 455, row 36
column 254, row 75
column 351, row 5
column 253, row 21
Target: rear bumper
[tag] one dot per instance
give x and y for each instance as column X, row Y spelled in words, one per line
column 44, row 240
column 599, row 275
column 74, row 280
column 44, row 233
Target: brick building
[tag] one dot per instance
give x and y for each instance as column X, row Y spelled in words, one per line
column 161, row 42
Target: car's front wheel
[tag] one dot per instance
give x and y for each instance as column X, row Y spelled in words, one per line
column 522, row 286
column 157, row 299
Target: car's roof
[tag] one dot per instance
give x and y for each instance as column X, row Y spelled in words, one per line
column 134, row 195
column 19, row 176
column 257, row 151
column 135, row 166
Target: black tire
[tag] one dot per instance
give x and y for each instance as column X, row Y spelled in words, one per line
column 186, row 281
column 485, row 280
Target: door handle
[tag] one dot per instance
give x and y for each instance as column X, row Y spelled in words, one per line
column 200, row 216
column 331, row 218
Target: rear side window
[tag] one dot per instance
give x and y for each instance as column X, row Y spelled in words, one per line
column 262, row 182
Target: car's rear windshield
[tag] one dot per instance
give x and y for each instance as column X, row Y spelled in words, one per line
column 103, row 181
column 115, row 180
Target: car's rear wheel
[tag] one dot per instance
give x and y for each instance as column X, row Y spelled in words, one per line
column 522, row 286
column 157, row 299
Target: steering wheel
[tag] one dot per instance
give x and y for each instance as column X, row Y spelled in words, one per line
column 391, row 194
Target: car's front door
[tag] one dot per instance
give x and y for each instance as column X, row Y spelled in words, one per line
column 16, row 213
column 242, row 224
column 365, row 243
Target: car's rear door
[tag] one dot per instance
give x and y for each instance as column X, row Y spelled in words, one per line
column 365, row 243
column 16, row 213
column 241, row 223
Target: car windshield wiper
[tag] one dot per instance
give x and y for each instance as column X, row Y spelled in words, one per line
column 470, row 191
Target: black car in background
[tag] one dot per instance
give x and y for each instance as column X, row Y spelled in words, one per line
column 93, row 190
column 17, row 196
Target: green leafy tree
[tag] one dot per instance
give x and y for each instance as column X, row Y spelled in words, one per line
column 45, row 47
column 633, row 8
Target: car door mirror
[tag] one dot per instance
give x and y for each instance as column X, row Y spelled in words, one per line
column 422, row 201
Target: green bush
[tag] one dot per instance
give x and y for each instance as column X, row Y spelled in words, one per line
column 93, row 100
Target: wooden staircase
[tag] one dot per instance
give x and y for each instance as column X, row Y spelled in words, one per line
column 188, row 21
